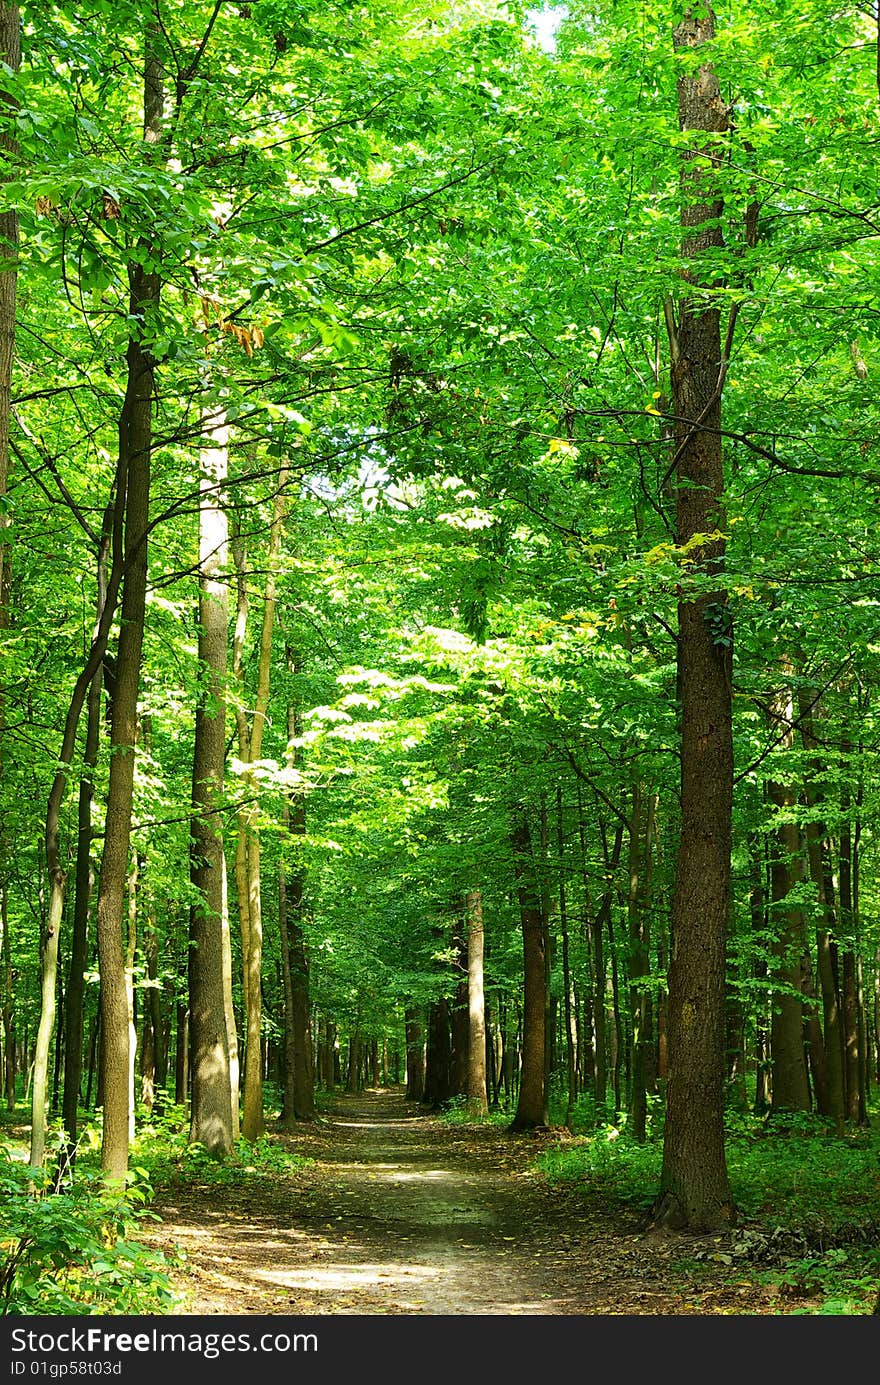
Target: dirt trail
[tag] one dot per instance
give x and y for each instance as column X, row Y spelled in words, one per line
column 401, row 1214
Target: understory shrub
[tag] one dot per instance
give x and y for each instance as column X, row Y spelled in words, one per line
column 76, row 1252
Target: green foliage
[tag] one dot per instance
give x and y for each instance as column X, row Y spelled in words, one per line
column 609, row 1162
column 456, row 1112
column 77, row 1252
column 425, row 264
column 165, row 1155
column 794, row 1184
column 845, row 1280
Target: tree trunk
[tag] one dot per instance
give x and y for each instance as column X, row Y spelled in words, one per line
column 211, row 1114
column 694, row 1188
column 831, row 1009
column 531, row 1111
column 617, row 1036
column 864, row 1069
column 641, row 834
column 331, row 1070
column 855, row 1103
column 131, row 942
column 789, row 1091
column 8, row 1011
column 415, row 1054
column 303, row 1078
column 477, row 1097
column 151, row 1042
column 570, row 1054
column 40, row 1089
column 79, row 946
column 353, row 1079
column 460, row 1021
column 288, row 1047
column 250, row 741
column 438, row 1055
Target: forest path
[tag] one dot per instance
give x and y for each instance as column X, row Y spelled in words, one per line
column 401, row 1213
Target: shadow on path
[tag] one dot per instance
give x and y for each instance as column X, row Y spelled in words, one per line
column 402, row 1213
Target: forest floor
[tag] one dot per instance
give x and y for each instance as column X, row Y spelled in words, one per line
column 403, row 1213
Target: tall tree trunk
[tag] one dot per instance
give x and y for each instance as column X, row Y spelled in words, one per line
column 151, row 1041
column 288, row 1046
column 617, row 1034
column 135, row 448
column 641, row 834
column 415, row 1054
column 758, row 916
column 601, row 922
column 250, row 741
column 10, row 52
column 694, row 1187
column 789, row 1082
column 8, row 1011
column 477, row 1097
column 825, row 926
column 131, row 943
column 550, row 999
column 353, row 1081
column 40, row 1088
column 531, row 1110
column 79, row 946
column 864, row 1071
column 229, row 1005
column 438, row 1055
column 299, row 1085
column 570, row 1056
column 459, row 1058
column 849, row 977
column 181, row 1028
column 330, row 1076
column 57, row 879
column 211, row 1114
column 135, row 438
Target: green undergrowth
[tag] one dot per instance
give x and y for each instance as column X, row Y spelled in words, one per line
column 81, row 1250
column 456, row 1112
column 77, row 1251
column 808, row 1201
column 162, row 1149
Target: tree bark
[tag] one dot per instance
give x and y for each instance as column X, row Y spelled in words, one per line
column 531, row 1111
column 477, row 1096
column 250, row 739
column 299, row 1086
column 570, row 1054
column 694, row 1187
column 9, row 1037
column 855, row 1105
column 789, row 1086
column 211, row 1115
column 353, row 1081
column 438, row 1055
column 460, row 1020
column 151, row 1041
column 415, row 1054
column 641, row 837
column 135, row 447
column 79, row 946
column 131, row 942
